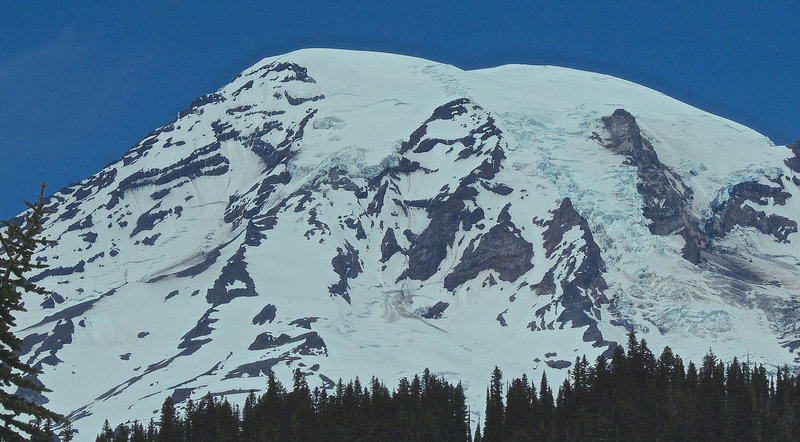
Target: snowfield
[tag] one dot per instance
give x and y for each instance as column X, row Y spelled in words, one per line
column 357, row 214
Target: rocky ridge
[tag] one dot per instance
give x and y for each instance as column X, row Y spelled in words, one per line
column 355, row 214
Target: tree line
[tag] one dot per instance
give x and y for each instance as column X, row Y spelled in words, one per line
column 636, row 396
column 632, row 396
column 424, row 408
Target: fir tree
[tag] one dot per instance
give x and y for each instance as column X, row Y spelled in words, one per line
column 121, row 433
column 518, row 409
column 170, row 426
column 17, row 246
column 106, row 434
column 300, row 408
column 152, row 432
column 68, row 433
column 495, row 409
column 137, row 433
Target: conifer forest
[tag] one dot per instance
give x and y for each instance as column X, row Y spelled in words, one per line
column 633, row 396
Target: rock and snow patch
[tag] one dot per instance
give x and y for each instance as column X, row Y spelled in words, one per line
column 372, row 214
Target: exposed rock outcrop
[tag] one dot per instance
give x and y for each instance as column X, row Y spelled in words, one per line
column 389, row 245
column 502, row 249
column 736, row 211
column 665, row 198
column 347, row 265
column 451, row 210
column 794, row 162
column 582, row 284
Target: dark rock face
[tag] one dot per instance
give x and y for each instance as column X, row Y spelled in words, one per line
column 296, row 101
column 501, row 249
column 347, row 265
column 793, row 163
column 665, row 197
column 389, row 245
column 304, row 322
column 203, row 161
column 149, row 219
column 583, row 285
column 235, row 271
column 309, row 342
column 244, row 87
column 405, row 167
column 59, row 271
column 199, row 102
column 429, row 248
column 258, row 368
column 589, row 275
column 501, row 319
column 53, row 342
column 735, row 212
column 51, row 300
column 150, row 240
column 223, row 131
column 355, row 224
column 443, row 112
column 267, row 314
column 376, row 204
column 85, row 223
column 339, row 179
column 435, row 311
column 189, row 342
column 449, row 211
column 287, row 72
column 558, row 365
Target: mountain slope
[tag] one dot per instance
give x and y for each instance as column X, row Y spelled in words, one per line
column 354, row 213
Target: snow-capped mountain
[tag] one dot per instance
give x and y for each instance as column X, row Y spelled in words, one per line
column 355, row 213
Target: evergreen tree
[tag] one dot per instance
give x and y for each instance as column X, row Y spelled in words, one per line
column 17, row 245
column 518, row 409
column 106, row 433
column 137, row 433
column 495, row 409
column 152, row 432
column 299, row 406
column 460, row 414
column 121, row 433
column 169, row 425
column 68, row 433
column 249, row 424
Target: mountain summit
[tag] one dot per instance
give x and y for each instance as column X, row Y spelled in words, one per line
column 354, row 213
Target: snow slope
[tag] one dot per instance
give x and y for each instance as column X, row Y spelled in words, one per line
column 354, row 213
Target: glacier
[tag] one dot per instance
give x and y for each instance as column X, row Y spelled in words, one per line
column 356, row 213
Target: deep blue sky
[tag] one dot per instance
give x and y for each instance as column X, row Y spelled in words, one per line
column 80, row 82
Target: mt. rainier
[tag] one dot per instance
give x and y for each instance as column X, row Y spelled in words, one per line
column 355, row 213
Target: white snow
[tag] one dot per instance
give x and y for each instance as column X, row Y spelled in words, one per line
column 373, row 102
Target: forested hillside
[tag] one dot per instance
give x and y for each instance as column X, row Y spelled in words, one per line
column 632, row 396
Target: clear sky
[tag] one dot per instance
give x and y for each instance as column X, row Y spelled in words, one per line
column 81, row 82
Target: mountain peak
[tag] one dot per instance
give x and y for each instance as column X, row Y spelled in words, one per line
column 353, row 213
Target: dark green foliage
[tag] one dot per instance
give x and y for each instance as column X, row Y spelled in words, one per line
column 170, row 425
column 426, row 408
column 106, row 434
column 634, row 396
column 17, row 246
column 67, row 433
column 495, row 409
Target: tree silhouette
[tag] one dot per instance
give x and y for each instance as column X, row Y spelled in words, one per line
column 17, row 245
